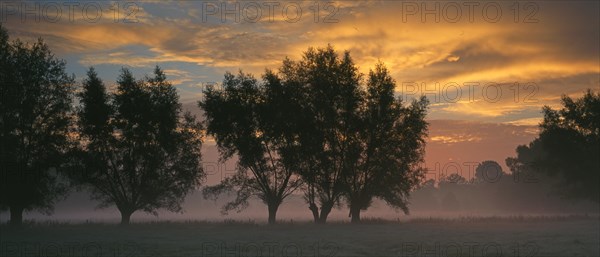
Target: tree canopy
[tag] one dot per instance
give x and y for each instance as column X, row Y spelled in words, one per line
column 138, row 151
column 36, row 105
column 389, row 149
column 567, row 148
column 327, row 123
column 315, row 122
column 246, row 119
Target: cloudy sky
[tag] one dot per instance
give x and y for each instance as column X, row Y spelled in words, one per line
column 487, row 67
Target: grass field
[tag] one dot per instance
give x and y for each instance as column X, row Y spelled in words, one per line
column 492, row 236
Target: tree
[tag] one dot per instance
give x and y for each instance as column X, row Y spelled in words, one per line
column 347, row 141
column 388, row 147
column 450, row 203
column 328, row 95
column 567, row 148
column 451, row 188
column 36, row 105
column 246, row 119
column 138, row 151
column 488, row 172
column 452, row 179
column 424, row 197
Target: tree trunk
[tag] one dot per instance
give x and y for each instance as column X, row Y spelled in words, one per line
column 355, row 214
column 273, row 212
column 16, row 216
column 325, row 210
column 315, row 211
column 125, row 217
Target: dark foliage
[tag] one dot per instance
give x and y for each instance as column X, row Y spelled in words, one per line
column 138, row 151
column 248, row 118
column 36, row 106
column 567, row 149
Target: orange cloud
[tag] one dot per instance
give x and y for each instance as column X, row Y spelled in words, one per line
column 559, row 53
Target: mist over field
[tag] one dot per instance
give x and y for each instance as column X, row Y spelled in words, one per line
column 78, row 209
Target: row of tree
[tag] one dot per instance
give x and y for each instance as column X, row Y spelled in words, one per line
column 317, row 126
column 314, row 126
column 132, row 148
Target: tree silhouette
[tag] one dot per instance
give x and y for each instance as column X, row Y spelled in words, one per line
column 328, row 86
column 36, row 97
column 449, row 202
column 243, row 118
column 314, row 119
column 388, row 148
column 424, row 197
column 449, row 187
column 488, row 171
column 452, row 179
column 567, row 148
column 138, row 151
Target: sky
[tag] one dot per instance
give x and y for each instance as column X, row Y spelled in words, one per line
column 487, row 67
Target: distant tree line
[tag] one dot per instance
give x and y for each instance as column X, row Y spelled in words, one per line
column 567, row 150
column 564, row 160
column 494, row 191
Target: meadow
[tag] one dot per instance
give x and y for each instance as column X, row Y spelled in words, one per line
column 465, row 236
